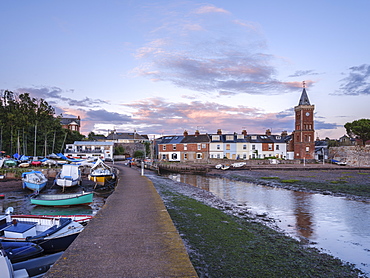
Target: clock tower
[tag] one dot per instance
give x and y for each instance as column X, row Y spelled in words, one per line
column 304, row 141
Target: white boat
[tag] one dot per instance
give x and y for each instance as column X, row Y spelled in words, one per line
column 69, row 176
column 34, row 180
column 51, row 233
column 101, row 173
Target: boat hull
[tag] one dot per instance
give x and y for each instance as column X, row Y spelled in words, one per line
column 100, row 179
column 33, row 186
column 34, row 180
column 52, row 234
column 63, row 199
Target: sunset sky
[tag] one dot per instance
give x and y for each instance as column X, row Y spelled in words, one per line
column 162, row 67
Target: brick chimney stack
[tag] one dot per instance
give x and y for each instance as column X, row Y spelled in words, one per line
column 268, row 132
column 244, row 132
column 219, row 131
column 197, row 133
column 185, row 133
column 284, row 133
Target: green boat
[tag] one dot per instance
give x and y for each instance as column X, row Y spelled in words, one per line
column 63, row 200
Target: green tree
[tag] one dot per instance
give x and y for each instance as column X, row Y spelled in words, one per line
column 138, row 154
column 28, row 125
column 359, row 128
column 119, row 150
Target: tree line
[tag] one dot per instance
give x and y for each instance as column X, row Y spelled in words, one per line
column 29, row 126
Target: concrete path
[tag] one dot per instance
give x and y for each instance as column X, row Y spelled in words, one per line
column 131, row 236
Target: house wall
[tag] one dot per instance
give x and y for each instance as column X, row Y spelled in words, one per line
column 357, row 156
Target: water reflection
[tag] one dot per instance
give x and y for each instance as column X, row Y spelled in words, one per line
column 339, row 226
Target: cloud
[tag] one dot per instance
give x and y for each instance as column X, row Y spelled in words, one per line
column 319, row 125
column 91, row 118
column 216, row 55
column 299, row 73
column 357, row 82
column 158, row 115
column 54, row 96
column 210, row 9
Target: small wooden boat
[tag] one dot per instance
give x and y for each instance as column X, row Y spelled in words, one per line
column 65, row 200
column 51, row 233
column 34, row 180
column 36, row 163
column 69, row 176
column 10, row 163
column 24, row 165
column 101, row 173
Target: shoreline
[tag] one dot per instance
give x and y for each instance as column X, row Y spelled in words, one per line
column 226, row 240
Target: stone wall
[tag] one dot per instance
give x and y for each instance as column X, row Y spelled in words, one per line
column 358, row 156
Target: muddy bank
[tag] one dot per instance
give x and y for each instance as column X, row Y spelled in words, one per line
column 347, row 182
column 227, row 240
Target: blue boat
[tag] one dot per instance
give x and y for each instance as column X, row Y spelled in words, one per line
column 21, row 251
column 34, row 180
column 53, row 234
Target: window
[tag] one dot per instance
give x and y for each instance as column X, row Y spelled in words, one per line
column 229, row 137
column 199, row 145
column 164, row 147
column 218, row 155
column 203, row 146
column 270, row 147
column 278, row 137
column 307, row 149
column 244, row 156
column 254, row 137
column 240, row 136
column 163, row 156
column 244, row 147
column 215, row 137
column 227, row 146
column 185, row 156
column 174, row 147
column 277, row 147
column 218, row 147
column 174, row 156
column 253, row 147
column 199, row 155
column 185, row 147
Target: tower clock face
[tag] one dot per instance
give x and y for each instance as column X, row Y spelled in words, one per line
column 307, row 114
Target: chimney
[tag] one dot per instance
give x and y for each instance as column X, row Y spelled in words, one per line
column 284, row 133
column 197, row 133
column 185, row 133
column 268, row 132
column 219, row 131
column 244, row 132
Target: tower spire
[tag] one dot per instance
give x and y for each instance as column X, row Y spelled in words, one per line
column 304, row 97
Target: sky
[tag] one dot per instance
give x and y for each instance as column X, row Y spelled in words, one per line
column 163, row 67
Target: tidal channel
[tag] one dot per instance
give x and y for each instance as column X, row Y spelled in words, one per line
column 335, row 225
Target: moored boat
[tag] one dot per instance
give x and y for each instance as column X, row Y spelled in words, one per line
column 101, row 173
column 51, row 233
column 34, row 180
column 21, row 251
column 56, row 200
column 6, row 267
column 69, row 176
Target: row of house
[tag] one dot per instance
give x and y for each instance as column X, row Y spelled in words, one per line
column 202, row 147
column 103, row 147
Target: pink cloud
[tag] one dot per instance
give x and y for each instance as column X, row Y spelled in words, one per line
column 210, row 9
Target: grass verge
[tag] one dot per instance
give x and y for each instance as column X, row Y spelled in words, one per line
column 222, row 245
